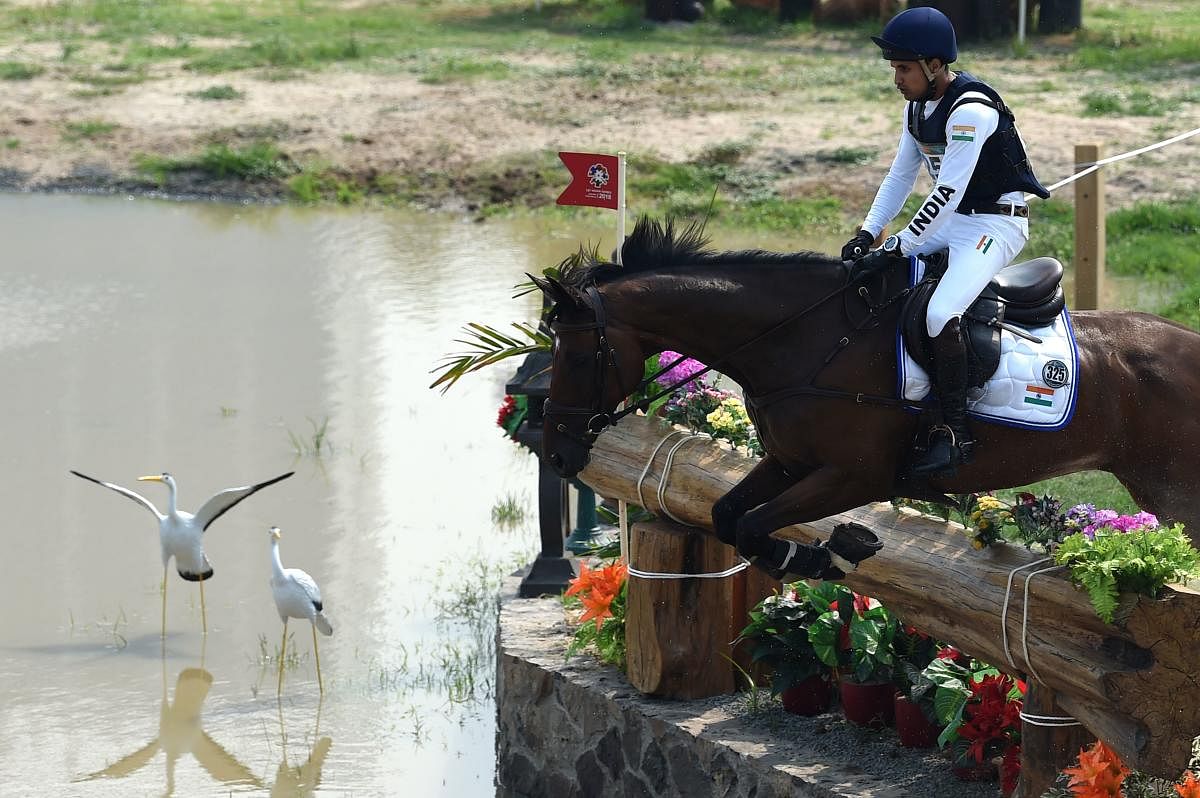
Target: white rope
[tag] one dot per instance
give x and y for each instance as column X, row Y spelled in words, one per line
column 1004, row 612
column 743, row 565
column 1049, row 721
column 1025, row 621
column 1104, row 161
column 662, row 505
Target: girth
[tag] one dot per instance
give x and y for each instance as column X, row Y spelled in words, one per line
column 1027, row 294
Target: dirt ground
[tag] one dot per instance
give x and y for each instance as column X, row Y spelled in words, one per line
column 365, row 123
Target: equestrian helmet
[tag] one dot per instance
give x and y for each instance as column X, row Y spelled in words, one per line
column 918, row 34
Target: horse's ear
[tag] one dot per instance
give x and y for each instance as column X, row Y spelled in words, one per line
column 556, row 291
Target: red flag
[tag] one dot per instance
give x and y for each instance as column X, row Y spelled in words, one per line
column 594, row 180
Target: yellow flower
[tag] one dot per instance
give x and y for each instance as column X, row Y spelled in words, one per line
column 984, row 523
column 977, row 544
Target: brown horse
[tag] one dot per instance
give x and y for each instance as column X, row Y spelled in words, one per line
column 787, row 329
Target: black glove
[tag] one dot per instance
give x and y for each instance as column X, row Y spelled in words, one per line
column 858, row 246
column 875, row 261
column 849, row 544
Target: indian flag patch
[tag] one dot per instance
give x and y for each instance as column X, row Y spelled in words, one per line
column 985, row 243
column 1037, row 395
column 962, row 132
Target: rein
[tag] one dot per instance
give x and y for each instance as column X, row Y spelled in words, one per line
column 606, row 358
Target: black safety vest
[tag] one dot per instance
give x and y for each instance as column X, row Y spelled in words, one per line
column 1003, row 165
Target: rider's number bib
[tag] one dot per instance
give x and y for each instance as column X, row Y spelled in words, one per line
column 932, row 154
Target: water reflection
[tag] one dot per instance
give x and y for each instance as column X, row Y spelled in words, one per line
column 180, row 732
column 296, row 781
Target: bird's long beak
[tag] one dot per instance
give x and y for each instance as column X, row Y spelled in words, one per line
column 150, row 479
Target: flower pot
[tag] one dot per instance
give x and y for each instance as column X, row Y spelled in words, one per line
column 970, row 770
column 809, row 697
column 869, row 705
column 914, row 728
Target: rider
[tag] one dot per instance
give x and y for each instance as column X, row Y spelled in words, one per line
column 966, row 137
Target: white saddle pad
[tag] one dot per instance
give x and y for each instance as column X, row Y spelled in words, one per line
column 1034, row 387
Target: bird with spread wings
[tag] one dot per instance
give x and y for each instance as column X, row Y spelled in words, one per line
column 180, row 533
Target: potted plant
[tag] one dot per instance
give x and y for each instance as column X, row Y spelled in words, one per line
column 981, row 710
column 779, row 640
column 857, row 640
column 915, row 718
column 1117, row 554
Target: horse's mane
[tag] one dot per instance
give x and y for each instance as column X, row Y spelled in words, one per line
column 656, row 245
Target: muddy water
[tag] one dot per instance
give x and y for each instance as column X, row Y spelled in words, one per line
column 214, row 342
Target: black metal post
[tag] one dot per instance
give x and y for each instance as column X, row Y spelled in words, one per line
column 550, row 572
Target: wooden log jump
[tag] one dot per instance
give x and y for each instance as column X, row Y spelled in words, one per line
column 1136, row 685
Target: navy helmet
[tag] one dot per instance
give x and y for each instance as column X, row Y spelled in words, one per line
column 918, row 34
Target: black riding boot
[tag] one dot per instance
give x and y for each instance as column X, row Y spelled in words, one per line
column 950, row 443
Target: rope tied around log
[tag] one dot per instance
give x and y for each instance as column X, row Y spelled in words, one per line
column 662, row 505
column 1036, row 720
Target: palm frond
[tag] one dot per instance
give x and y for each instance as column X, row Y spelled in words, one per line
column 487, row 345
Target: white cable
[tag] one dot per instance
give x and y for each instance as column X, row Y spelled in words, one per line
column 662, row 483
column 1103, row 161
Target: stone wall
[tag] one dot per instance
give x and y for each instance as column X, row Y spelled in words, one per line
column 576, row 728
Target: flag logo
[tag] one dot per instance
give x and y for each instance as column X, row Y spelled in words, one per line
column 1037, row 395
column 985, row 243
column 962, row 132
column 594, row 180
column 597, row 175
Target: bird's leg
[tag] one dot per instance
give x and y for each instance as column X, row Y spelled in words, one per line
column 282, row 650
column 203, row 612
column 317, row 655
column 164, row 607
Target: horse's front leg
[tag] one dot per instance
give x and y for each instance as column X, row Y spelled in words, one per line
column 764, row 482
column 823, row 492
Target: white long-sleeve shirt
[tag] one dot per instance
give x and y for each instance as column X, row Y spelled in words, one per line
column 950, row 167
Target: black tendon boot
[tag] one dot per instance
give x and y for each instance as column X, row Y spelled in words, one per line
column 950, row 443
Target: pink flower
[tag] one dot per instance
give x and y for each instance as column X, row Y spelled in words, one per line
column 681, row 371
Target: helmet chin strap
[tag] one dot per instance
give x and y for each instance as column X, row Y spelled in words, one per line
column 929, row 76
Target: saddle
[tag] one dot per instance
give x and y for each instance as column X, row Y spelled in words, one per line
column 1022, row 295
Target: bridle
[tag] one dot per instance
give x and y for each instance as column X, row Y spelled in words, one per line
column 605, row 358
column 597, row 419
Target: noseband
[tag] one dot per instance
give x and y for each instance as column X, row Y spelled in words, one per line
column 597, row 419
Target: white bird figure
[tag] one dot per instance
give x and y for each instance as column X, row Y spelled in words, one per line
column 296, row 596
column 180, row 532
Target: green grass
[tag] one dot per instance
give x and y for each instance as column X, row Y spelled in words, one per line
column 90, row 130
column 261, row 161
column 17, row 70
column 221, row 91
column 1134, row 102
column 462, row 68
column 12, row 143
column 1096, row 487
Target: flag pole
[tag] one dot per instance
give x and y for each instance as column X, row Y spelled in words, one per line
column 620, row 203
column 622, row 506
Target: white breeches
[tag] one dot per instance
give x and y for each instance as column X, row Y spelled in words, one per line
column 980, row 246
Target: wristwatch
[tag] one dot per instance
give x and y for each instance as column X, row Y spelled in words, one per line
column 891, row 245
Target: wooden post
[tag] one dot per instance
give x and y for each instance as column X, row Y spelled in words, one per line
column 678, row 631
column 1089, row 231
column 1046, row 750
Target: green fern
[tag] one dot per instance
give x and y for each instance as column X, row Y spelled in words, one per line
column 1142, row 562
